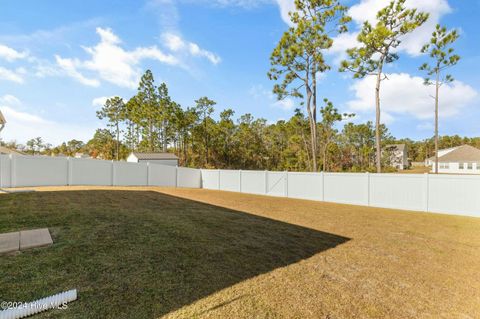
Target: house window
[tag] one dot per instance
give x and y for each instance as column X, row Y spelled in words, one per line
column 478, row 166
column 470, row 166
column 444, row 166
column 461, row 166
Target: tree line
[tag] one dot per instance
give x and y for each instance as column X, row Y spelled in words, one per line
column 241, row 143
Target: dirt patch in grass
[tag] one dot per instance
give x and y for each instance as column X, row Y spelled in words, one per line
column 184, row 253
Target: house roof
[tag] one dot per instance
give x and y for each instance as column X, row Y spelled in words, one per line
column 155, row 156
column 464, row 153
column 5, row 150
column 432, row 158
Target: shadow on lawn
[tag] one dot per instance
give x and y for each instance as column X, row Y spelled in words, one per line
column 143, row 254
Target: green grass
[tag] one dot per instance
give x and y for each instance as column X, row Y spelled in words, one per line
column 139, row 254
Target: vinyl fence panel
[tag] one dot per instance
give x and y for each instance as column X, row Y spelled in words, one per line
column 457, row 194
column 189, row 177
column 404, row 191
column 39, row 171
column 130, row 174
column 253, row 182
column 230, row 180
column 90, row 172
column 162, row 175
column 348, row 188
column 277, row 183
column 305, row 185
column 5, row 176
column 210, row 178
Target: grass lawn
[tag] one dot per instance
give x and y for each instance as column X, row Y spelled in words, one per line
column 183, row 253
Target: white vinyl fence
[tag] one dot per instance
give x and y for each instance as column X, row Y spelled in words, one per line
column 20, row 171
column 454, row 194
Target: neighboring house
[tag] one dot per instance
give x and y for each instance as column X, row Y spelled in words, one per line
column 396, row 155
column 463, row 159
column 6, row 151
column 157, row 158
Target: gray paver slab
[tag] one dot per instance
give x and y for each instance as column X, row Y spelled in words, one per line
column 35, row 238
column 9, row 242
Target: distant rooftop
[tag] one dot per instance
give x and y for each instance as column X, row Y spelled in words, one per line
column 464, row 153
column 155, row 156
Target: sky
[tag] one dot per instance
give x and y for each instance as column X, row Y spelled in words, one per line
column 60, row 60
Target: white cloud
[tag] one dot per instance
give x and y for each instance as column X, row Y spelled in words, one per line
column 111, row 62
column 45, row 68
column 100, row 101
column 10, row 54
column 22, row 126
column 412, row 43
column 69, row 66
column 341, row 43
column 9, row 99
column 417, row 103
column 12, row 75
column 176, row 44
column 285, row 7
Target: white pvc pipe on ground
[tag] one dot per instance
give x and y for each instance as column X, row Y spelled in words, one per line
column 27, row 309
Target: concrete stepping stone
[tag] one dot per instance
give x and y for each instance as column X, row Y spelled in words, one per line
column 35, row 238
column 25, row 239
column 9, row 242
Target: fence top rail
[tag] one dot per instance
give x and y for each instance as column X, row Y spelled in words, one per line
column 354, row 174
column 187, row 168
column 93, row 160
column 129, row 163
column 37, row 157
column 453, row 176
column 397, row 175
column 254, row 172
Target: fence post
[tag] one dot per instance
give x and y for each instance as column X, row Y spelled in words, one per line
column 368, row 188
column 13, row 178
column 240, row 180
column 113, row 173
column 286, row 184
column 266, row 182
column 322, row 177
column 148, row 173
column 176, row 176
column 219, row 172
column 69, row 171
column 426, row 191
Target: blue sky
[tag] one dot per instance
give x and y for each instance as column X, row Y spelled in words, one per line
column 59, row 60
